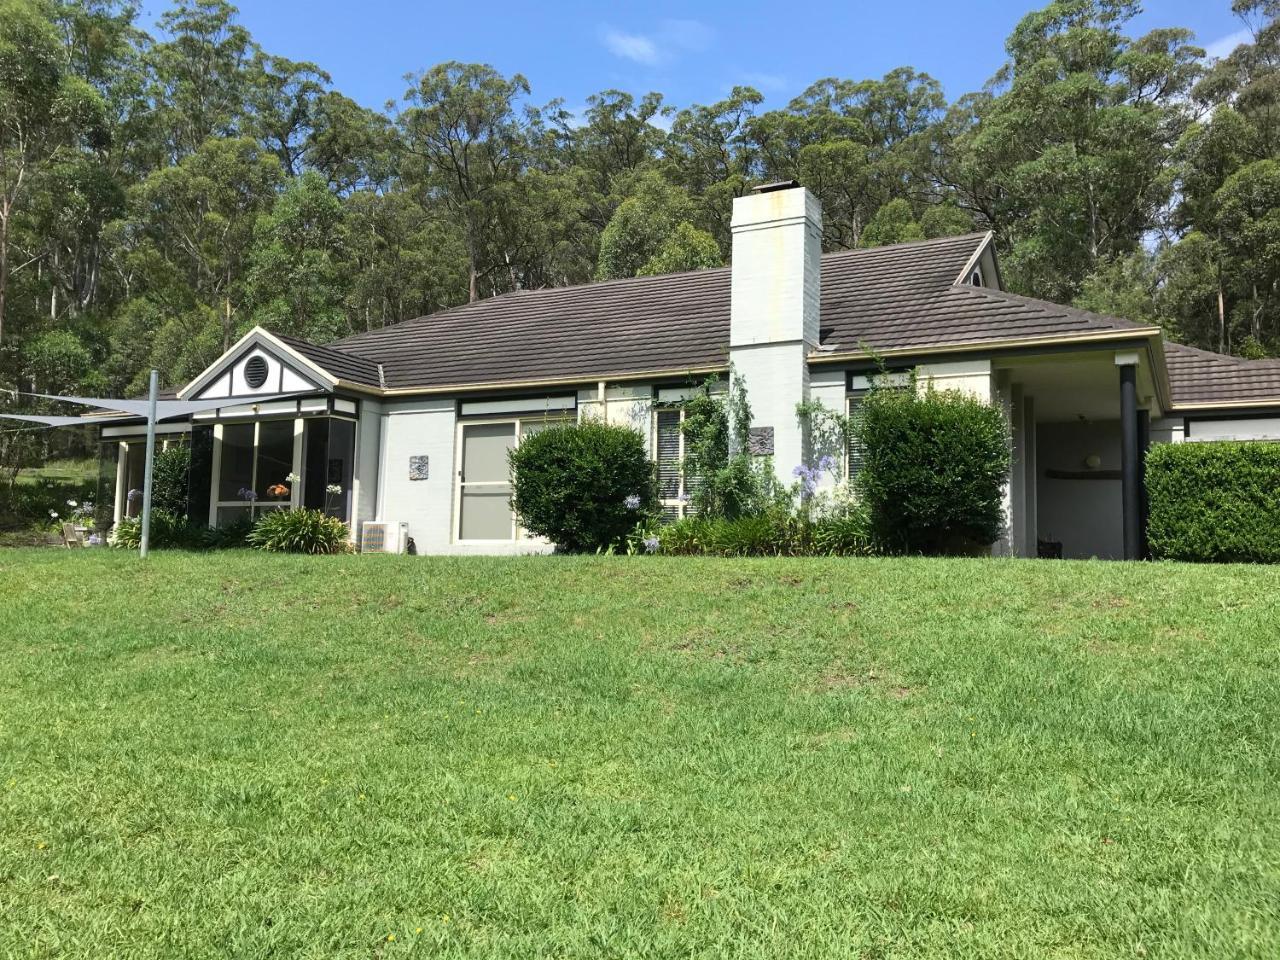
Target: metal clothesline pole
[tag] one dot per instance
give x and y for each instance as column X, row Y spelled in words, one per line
column 150, row 466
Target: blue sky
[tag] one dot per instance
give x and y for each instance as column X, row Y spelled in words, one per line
column 691, row 52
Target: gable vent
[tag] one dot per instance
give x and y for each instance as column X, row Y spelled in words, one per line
column 255, row 372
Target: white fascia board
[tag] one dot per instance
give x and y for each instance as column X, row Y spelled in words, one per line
column 256, row 336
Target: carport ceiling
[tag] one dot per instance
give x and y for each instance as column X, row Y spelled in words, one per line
column 1073, row 388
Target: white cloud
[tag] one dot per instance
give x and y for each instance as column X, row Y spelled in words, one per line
column 630, row 46
column 666, row 43
column 1224, row 45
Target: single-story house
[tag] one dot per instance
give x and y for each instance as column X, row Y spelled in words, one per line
column 412, row 422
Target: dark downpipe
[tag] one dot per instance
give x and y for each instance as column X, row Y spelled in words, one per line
column 1131, row 500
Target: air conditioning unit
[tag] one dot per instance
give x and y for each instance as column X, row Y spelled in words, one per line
column 384, row 536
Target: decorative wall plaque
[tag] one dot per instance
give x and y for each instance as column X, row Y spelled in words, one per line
column 760, row 441
column 418, row 468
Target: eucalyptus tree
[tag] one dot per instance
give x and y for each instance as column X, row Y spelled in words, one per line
column 466, row 140
column 1225, row 263
column 47, row 112
column 1069, row 153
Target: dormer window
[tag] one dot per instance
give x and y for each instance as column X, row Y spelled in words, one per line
column 976, row 277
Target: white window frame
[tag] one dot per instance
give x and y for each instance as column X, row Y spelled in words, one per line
column 255, row 506
column 518, row 533
column 680, row 504
column 120, row 509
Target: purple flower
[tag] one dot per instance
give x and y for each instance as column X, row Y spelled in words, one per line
column 632, row 502
column 135, row 495
column 684, row 498
column 247, row 494
column 94, row 539
column 651, row 544
column 827, row 463
column 808, row 477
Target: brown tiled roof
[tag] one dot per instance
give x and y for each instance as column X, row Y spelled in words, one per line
column 344, row 364
column 1201, row 377
column 673, row 322
column 910, row 318
column 897, row 298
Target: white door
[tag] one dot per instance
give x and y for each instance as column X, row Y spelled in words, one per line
column 485, row 482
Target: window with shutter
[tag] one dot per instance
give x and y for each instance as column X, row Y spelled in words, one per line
column 668, row 447
column 855, row 451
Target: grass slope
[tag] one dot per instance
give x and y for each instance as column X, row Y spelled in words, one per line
column 251, row 756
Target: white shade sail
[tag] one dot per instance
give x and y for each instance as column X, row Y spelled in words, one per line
column 58, row 421
column 165, row 409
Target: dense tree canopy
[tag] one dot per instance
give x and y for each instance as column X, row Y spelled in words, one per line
column 159, row 195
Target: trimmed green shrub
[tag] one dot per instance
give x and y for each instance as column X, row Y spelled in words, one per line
column 299, row 531
column 1214, row 502
column 934, row 468
column 169, row 480
column 583, row 486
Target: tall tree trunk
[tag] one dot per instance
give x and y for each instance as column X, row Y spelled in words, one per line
column 1222, row 320
column 226, row 325
column 473, row 292
column 4, row 266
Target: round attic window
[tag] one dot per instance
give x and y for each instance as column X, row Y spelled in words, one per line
column 255, row 372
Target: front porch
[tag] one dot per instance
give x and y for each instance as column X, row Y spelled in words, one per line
column 1080, row 425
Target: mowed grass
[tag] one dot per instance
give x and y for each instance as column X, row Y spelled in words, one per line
column 249, row 756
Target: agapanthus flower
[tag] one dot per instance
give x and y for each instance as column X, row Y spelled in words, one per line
column 827, row 463
column 94, row 539
column 292, row 478
column 135, row 495
column 651, row 544
column 808, row 477
column 53, row 514
column 333, row 488
column 632, row 502
column 72, row 504
column 246, row 494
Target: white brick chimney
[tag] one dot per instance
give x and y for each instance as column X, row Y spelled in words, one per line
column 776, row 290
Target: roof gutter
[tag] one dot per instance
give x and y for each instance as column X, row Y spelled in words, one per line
column 587, row 378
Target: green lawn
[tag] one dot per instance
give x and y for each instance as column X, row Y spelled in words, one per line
column 250, row 756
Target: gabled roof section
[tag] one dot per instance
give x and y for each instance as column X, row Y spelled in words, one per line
column 341, row 364
column 962, row 314
column 293, row 365
column 671, row 323
column 1200, row 379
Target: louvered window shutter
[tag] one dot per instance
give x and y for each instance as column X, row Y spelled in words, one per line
column 855, row 452
column 668, row 454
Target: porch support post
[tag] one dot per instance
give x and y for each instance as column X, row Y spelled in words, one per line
column 1144, row 508
column 1129, row 479
column 145, row 541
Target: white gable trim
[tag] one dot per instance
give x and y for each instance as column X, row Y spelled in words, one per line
column 221, row 369
column 976, row 258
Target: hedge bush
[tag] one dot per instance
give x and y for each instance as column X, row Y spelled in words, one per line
column 934, row 468
column 299, row 531
column 1214, row 502
column 170, row 475
column 583, row 486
